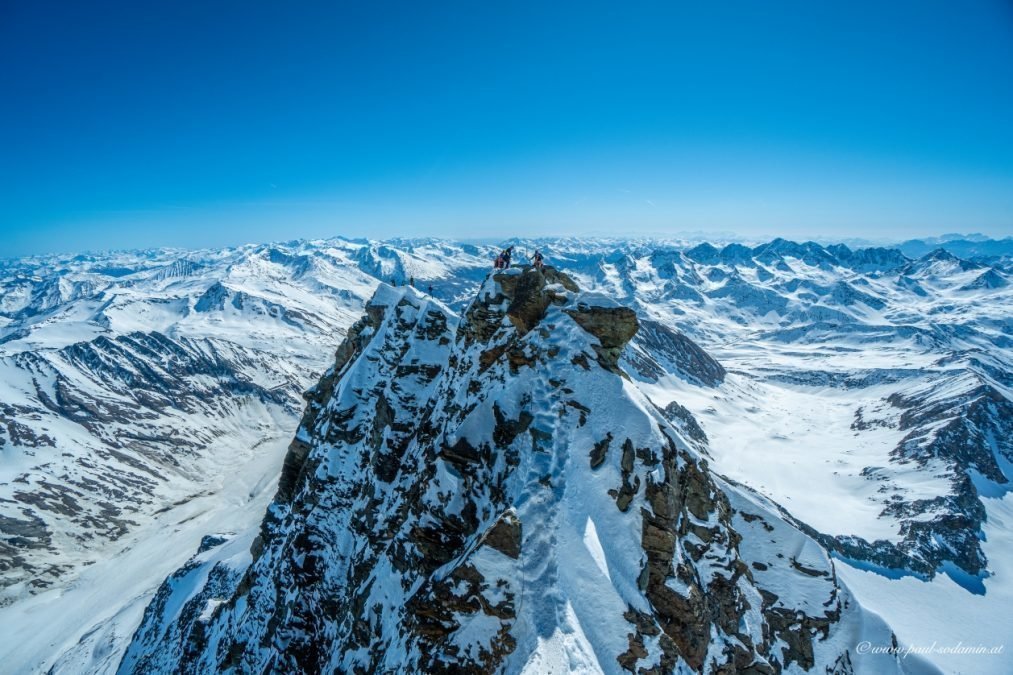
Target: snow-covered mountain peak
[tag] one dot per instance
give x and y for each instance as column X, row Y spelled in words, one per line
column 491, row 493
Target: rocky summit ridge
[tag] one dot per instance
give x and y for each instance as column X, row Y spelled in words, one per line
column 491, row 493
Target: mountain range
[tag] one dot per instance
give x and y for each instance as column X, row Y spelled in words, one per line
column 648, row 456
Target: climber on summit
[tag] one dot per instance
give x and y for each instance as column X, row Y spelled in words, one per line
column 537, row 260
column 503, row 259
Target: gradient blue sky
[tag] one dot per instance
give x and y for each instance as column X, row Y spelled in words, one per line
column 128, row 124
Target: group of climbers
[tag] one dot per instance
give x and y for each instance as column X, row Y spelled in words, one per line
column 503, row 260
column 536, row 260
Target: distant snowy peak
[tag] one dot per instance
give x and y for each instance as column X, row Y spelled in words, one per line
column 220, row 298
column 987, row 280
column 868, row 259
column 182, row 267
column 965, row 246
column 774, row 254
column 939, row 262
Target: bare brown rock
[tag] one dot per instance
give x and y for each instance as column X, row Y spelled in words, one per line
column 613, row 326
column 505, row 535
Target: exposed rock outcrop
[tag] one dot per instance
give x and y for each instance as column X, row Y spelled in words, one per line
column 657, row 349
column 613, row 326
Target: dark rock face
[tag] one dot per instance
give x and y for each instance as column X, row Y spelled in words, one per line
column 527, row 298
column 188, row 633
column 613, row 326
column 214, row 298
column 308, row 589
column 683, row 420
column 528, row 301
column 505, row 536
column 657, row 349
column 599, row 451
column 686, row 495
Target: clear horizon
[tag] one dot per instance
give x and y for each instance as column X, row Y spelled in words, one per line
column 131, row 126
column 719, row 239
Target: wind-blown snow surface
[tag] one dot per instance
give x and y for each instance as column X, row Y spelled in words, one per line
column 866, row 393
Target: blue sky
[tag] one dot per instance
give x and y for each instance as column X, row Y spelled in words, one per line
column 191, row 123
